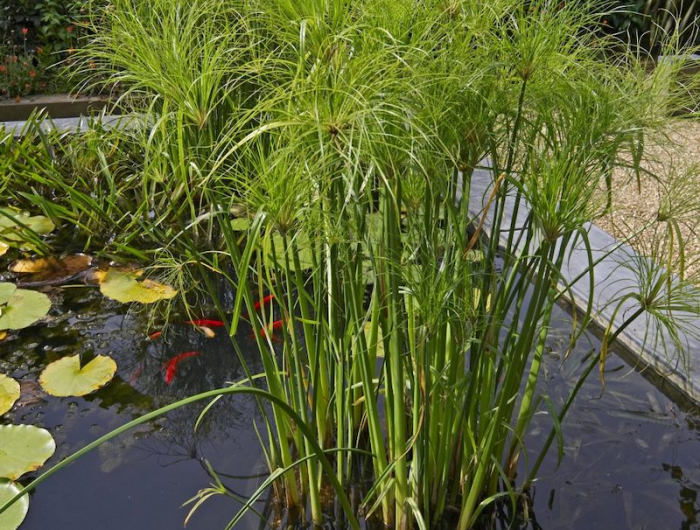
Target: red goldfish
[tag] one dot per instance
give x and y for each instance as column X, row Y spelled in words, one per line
column 206, row 322
column 171, row 365
column 266, row 301
column 277, row 324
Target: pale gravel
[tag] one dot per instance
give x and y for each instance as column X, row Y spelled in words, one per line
column 636, row 208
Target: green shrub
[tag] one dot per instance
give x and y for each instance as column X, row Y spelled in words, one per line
column 37, row 35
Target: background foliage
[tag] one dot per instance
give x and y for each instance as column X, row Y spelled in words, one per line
column 36, row 35
column 643, row 22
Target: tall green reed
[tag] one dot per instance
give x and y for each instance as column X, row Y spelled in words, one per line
column 324, row 152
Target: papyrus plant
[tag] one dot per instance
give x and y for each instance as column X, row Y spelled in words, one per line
column 324, row 152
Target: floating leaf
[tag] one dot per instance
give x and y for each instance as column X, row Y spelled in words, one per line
column 241, row 225
column 6, row 292
column 13, row 223
column 301, row 244
column 66, row 377
column 50, row 271
column 380, row 338
column 23, row 448
column 4, row 247
column 94, row 276
column 474, row 256
column 11, row 518
column 22, row 307
column 124, row 287
column 9, row 393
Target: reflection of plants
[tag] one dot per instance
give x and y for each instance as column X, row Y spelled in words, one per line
column 322, row 152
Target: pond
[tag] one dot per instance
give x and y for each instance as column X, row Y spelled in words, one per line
column 631, row 453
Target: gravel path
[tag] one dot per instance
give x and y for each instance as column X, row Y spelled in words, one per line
column 677, row 192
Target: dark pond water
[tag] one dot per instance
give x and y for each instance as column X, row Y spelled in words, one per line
column 632, row 455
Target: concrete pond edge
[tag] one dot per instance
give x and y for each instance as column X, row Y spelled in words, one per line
column 646, row 345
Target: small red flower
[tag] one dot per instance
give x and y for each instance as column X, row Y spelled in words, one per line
column 70, row 29
column 32, row 74
column 39, row 50
column 25, row 31
column 3, row 68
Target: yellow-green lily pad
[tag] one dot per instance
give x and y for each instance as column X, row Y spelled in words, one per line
column 9, row 393
column 380, row 339
column 4, row 247
column 23, row 448
column 6, row 292
column 125, row 287
column 12, row 222
column 301, row 243
column 20, row 308
column 11, row 518
column 66, row 377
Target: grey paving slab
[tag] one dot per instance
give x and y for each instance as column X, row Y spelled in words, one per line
column 614, row 277
column 70, row 125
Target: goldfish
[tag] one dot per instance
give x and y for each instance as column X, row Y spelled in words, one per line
column 206, row 322
column 277, row 324
column 267, row 300
column 171, row 365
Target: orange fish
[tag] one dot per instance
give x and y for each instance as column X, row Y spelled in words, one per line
column 206, row 322
column 266, row 301
column 277, row 324
column 171, row 365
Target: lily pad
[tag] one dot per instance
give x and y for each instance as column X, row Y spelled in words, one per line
column 11, row 518
column 20, row 308
column 241, row 224
column 23, row 448
column 66, row 377
column 6, row 292
column 303, row 247
column 380, row 339
column 125, row 287
column 4, row 247
column 13, row 222
column 50, row 271
column 9, row 393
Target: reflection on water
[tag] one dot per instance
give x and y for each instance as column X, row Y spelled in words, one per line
column 632, row 456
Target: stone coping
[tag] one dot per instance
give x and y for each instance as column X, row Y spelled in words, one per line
column 613, row 278
column 70, row 125
column 56, row 106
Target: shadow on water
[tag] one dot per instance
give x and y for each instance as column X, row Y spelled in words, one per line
column 632, row 455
